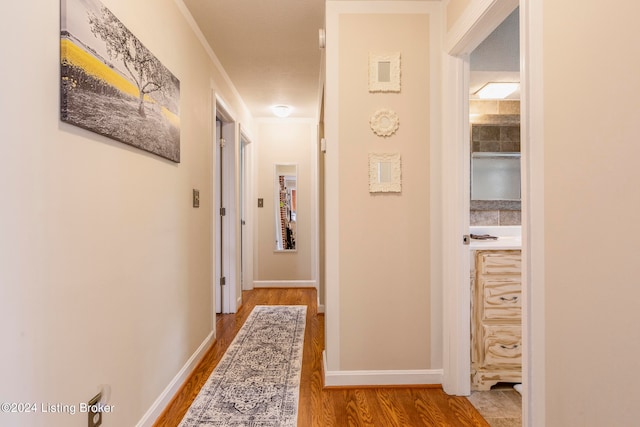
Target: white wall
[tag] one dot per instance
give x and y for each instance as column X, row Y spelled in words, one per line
column 455, row 8
column 105, row 268
column 591, row 204
column 286, row 141
column 381, row 270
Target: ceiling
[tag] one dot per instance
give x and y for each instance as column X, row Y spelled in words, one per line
column 497, row 58
column 270, row 51
column 268, row 48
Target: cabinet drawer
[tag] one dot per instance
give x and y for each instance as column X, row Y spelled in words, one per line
column 499, row 262
column 502, row 298
column 502, row 346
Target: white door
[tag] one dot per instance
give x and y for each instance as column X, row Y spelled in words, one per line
column 219, row 278
column 226, row 211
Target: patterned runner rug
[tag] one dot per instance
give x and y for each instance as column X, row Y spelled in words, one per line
column 257, row 382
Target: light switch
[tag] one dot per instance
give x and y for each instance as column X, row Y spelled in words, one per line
column 260, row 203
column 196, row 198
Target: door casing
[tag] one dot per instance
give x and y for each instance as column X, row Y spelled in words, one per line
column 480, row 19
column 226, row 251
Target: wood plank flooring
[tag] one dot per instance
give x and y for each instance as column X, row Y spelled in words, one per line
column 318, row 407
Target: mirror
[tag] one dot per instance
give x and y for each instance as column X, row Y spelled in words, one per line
column 286, row 194
column 495, row 176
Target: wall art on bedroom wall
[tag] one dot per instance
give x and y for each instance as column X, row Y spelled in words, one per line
column 111, row 84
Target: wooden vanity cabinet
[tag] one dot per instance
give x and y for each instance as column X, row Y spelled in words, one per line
column 496, row 318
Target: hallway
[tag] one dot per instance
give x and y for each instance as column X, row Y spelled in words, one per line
column 318, row 407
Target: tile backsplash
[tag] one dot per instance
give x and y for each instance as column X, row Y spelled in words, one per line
column 495, row 217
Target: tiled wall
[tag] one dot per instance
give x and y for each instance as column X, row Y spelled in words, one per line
column 495, row 138
column 495, row 217
column 495, row 127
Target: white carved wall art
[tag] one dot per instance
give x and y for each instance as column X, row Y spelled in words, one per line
column 384, row 122
column 384, row 72
column 385, row 173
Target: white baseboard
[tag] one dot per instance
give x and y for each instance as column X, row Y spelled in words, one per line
column 167, row 394
column 284, row 284
column 380, row 378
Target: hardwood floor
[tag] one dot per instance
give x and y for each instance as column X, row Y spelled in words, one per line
column 318, row 407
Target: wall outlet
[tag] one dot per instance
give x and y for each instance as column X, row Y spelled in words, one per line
column 95, row 416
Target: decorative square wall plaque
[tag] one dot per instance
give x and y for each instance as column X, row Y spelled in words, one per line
column 384, row 72
column 385, row 173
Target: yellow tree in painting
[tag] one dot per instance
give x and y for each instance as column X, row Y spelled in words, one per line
column 148, row 74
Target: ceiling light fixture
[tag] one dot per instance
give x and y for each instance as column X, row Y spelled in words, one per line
column 281, row 110
column 497, row 90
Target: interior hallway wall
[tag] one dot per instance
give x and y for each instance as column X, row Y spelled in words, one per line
column 591, row 204
column 105, row 266
column 379, row 271
column 455, row 9
column 285, row 141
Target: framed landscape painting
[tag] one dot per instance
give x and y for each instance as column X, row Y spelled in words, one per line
column 111, row 84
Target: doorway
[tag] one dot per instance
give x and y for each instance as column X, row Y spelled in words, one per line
column 471, row 30
column 225, row 211
column 494, row 117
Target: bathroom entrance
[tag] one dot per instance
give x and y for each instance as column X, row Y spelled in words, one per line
column 497, row 145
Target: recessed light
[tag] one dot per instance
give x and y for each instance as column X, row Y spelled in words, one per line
column 497, row 90
column 281, row 110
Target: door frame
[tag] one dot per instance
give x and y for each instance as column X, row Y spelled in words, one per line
column 230, row 243
column 473, row 27
column 247, row 195
column 533, row 283
column 477, row 22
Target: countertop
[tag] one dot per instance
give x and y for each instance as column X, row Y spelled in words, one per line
column 509, row 237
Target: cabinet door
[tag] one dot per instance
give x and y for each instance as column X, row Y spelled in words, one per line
column 501, row 299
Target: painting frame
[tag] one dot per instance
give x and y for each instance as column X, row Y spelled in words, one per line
column 112, row 85
column 384, row 72
column 385, row 173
